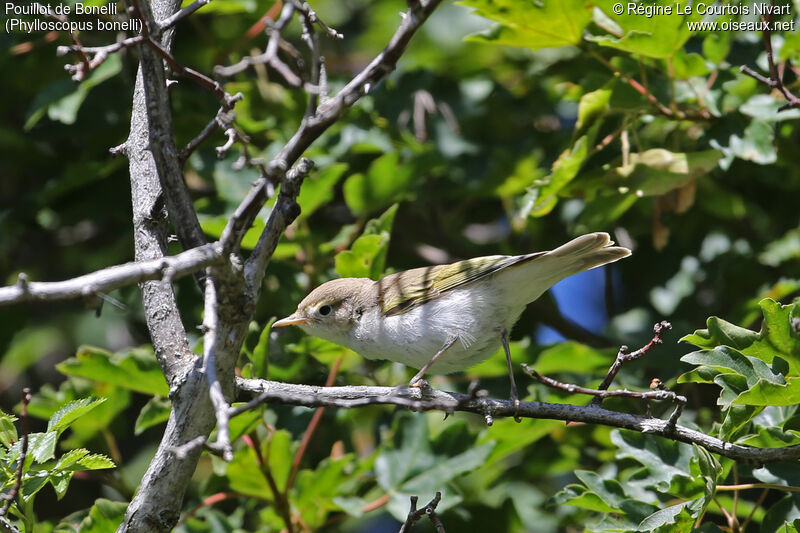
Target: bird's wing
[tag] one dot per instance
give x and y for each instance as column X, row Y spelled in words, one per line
column 402, row 292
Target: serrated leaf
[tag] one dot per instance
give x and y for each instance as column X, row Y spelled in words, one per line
column 70, row 412
column 8, row 431
column 95, row 461
column 546, row 24
column 70, row 458
column 655, row 36
column 42, row 446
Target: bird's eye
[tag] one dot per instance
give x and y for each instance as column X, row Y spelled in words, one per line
column 325, row 310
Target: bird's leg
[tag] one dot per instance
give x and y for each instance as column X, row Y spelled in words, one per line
column 427, row 366
column 514, row 396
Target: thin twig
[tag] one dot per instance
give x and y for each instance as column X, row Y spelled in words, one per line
column 12, row 494
column 415, row 514
column 270, row 55
column 775, row 80
column 312, row 17
column 602, row 393
column 624, row 357
column 182, row 14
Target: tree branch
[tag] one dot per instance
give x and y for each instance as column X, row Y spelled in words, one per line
column 167, row 269
column 273, row 392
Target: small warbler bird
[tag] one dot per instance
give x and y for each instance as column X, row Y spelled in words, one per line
column 444, row 318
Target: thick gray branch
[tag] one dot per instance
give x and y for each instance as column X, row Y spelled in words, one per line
column 160, row 134
column 449, row 402
column 165, row 268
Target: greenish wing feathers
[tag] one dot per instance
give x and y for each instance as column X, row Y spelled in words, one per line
column 404, row 291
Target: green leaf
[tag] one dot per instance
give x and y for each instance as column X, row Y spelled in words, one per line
column 104, row 516
column 95, row 461
column 136, row 369
column 245, row 476
column 658, row 36
column 769, row 393
column 60, row 482
column 777, row 337
column 582, row 497
column 663, row 458
column 764, row 107
column 786, row 248
column 363, row 259
column 716, row 46
column 8, row 431
column 446, row 470
column 593, row 106
column 772, row 437
column 782, row 516
column 154, row 412
column 366, row 258
column 779, row 473
column 261, row 352
column 386, row 181
column 546, row 24
column 608, row 490
column 315, row 491
column 668, row 516
column 756, row 145
column 278, row 453
column 687, row 65
column 245, row 422
column 72, row 411
column 541, row 199
column 319, row 189
column 413, row 455
column 42, row 446
column 62, row 100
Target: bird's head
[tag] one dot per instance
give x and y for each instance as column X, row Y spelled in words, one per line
column 331, row 310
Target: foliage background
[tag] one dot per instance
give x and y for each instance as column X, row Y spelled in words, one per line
column 484, row 149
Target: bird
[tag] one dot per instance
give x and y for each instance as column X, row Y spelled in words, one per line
column 444, row 318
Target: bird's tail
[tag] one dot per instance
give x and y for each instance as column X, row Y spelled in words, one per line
column 544, row 270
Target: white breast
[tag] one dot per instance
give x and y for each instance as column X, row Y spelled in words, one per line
column 474, row 318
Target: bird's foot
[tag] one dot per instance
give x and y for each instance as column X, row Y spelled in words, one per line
column 515, row 401
column 418, row 383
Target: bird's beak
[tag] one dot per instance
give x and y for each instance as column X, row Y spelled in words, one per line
column 291, row 320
